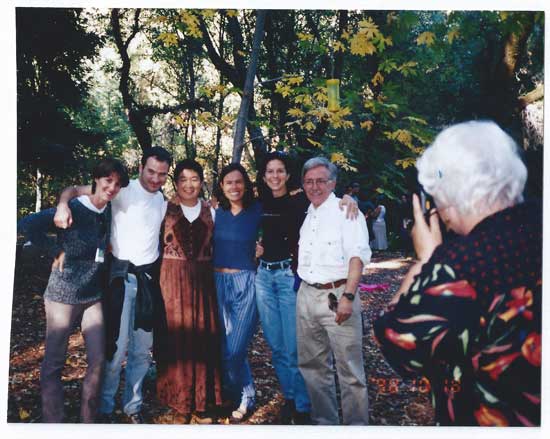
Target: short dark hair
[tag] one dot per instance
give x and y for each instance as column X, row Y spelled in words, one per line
column 188, row 164
column 248, row 197
column 107, row 166
column 263, row 190
column 157, row 152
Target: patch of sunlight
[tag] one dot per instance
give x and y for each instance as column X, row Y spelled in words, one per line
column 391, row 264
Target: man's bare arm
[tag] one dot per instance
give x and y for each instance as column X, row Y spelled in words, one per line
column 345, row 305
column 63, row 217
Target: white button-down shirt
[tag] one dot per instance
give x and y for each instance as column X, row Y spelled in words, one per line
column 328, row 241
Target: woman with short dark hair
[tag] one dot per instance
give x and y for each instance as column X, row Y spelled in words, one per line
column 75, row 289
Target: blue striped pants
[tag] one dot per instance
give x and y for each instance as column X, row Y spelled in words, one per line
column 238, row 319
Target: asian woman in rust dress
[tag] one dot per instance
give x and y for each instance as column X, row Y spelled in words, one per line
column 187, row 346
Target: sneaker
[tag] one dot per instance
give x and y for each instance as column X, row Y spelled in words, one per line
column 136, row 418
column 286, row 412
column 242, row 413
column 301, row 418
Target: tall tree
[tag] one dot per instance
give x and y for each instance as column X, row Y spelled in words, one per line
column 140, row 113
column 248, row 91
column 51, row 45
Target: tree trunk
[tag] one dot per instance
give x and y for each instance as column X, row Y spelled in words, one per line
column 135, row 118
column 38, row 199
column 218, row 146
column 248, row 92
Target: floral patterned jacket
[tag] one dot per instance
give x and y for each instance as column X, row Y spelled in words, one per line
column 471, row 323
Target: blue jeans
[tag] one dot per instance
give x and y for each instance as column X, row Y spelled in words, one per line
column 276, row 300
column 138, row 344
column 238, row 320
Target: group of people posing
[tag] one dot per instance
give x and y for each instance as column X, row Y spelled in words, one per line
column 190, row 282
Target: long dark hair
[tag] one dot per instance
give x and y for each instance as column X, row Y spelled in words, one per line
column 263, row 189
column 248, row 197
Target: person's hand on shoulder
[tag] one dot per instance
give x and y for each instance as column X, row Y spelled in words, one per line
column 352, row 208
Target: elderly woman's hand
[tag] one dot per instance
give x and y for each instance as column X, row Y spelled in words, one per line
column 426, row 237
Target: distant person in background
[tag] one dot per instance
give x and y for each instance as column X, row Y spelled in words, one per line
column 348, row 190
column 369, row 211
column 380, row 241
column 468, row 315
column 405, row 223
column 355, row 191
column 75, row 290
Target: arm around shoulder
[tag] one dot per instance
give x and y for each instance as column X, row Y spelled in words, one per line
column 63, row 216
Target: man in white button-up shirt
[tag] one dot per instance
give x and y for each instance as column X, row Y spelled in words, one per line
column 332, row 253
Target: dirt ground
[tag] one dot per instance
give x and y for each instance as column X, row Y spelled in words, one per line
column 392, row 401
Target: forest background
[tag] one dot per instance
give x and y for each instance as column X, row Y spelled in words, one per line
column 222, row 85
column 403, row 75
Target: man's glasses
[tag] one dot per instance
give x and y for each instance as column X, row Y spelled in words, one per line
column 332, row 302
column 318, row 182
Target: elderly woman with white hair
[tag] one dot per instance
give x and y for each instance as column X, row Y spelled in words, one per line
column 467, row 316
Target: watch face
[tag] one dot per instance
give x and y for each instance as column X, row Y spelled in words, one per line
column 349, row 296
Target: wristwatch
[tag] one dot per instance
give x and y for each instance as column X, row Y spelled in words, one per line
column 349, row 296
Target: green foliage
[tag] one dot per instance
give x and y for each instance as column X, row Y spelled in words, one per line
column 51, row 45
column 403, row 76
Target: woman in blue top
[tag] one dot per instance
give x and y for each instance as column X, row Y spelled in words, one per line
column 237, row 221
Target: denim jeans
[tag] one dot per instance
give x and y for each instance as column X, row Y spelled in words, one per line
column 136, row 345
column 61, row 319
column 276, row 300
column 238, row 320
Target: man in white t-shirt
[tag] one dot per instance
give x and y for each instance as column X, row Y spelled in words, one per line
column 137, row 214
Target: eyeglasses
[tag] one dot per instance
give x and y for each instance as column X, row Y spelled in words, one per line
column 318, row 182
column 332, row 302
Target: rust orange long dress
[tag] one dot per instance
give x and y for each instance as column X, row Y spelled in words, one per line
column 189, row 359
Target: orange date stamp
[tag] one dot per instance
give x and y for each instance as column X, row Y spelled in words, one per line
column 421, row 385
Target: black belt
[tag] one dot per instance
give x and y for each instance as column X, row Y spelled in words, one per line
column 281, row 265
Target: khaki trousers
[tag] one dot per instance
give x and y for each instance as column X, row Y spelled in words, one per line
column 319, row 339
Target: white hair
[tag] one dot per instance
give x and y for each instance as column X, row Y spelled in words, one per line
column 473, row 166
column 321, row 161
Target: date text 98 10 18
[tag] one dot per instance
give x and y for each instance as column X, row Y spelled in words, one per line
column 421, row 385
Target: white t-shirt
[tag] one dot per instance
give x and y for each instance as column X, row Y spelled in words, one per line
column 135, row 229
column 192, row 213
